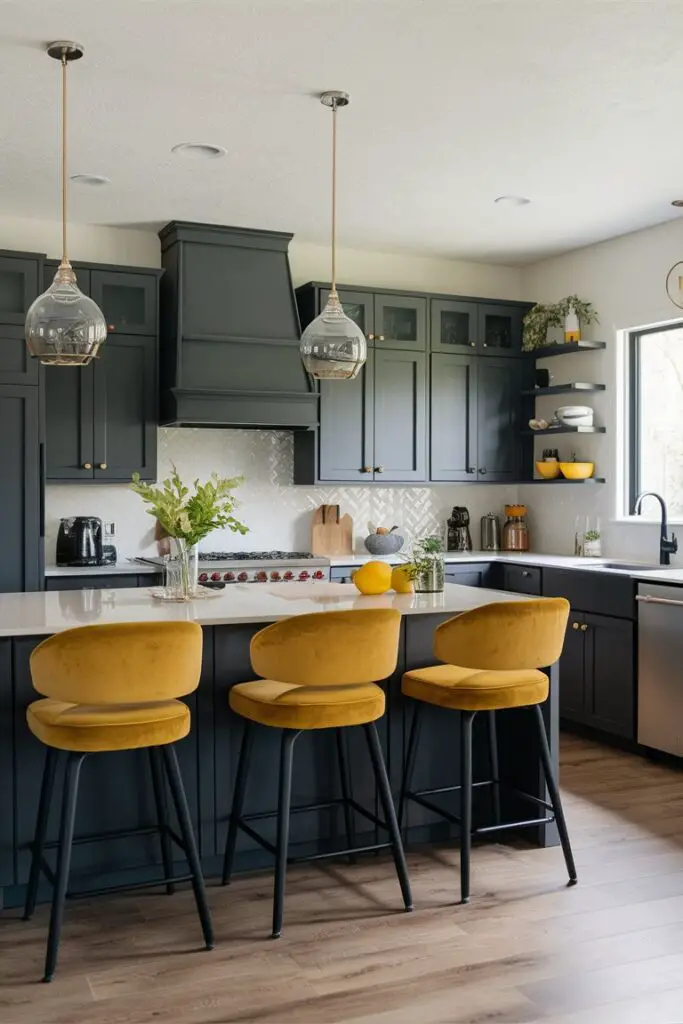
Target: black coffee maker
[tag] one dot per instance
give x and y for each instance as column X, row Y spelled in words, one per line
column 459, row 538
column 79, row 541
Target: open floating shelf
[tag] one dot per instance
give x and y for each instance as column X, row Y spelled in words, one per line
column 564, row 348
column 564, row 430
column 565, row 389
column 561, row 480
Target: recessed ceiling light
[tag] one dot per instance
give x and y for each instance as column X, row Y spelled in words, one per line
column 512, row 200
column 91, row 179
column 198, row 150
column 677, row 202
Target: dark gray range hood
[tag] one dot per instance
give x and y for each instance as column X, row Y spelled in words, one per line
column 229, row 345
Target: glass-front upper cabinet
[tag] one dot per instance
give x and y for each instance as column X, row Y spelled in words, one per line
column 18, row 287
column 401, row 322
column 500, row 330
column 128, row 301
column 455, row 325
column 357, row 306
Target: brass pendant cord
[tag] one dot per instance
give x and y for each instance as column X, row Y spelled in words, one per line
column 333, row 291
column 65, row 261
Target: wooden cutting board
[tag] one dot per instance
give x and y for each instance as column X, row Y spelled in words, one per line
column 331, row 534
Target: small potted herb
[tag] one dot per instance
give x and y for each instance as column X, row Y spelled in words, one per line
column 426, row 569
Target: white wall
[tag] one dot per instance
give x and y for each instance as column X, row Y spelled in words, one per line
column 277, row 512
column 625, row 279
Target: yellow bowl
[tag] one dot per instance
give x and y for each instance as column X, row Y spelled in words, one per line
column 548, row 470
column 577, row 470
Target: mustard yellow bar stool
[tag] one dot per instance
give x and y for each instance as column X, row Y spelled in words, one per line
column 492, row 656
column 112, row 688
column 319, row 672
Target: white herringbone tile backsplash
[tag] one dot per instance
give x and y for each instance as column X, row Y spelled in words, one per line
column 276, row 511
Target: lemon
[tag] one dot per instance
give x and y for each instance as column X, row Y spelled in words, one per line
column 401, row 581
column 373, row 578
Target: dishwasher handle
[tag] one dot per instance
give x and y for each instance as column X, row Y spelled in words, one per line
column 648, row 599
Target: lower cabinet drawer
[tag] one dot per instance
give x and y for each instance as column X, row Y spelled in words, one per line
column 522, row 579
column 592, row 591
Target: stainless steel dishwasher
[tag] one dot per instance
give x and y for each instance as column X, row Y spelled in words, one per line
column 660, row 667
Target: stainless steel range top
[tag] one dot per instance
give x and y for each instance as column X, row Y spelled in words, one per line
column 258, row 567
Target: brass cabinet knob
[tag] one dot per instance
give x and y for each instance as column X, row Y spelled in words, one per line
column 379, row 469
column 380, row 337
column 366, row 469
column 87, row 465
column 371, row 337
column 584, row 627
column 471, row 469
column 483, row 472
column 103, row 465
column 575, row 625
column 473, row 344
column 485, row 345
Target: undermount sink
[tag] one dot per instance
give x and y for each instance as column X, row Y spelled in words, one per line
column 632, row 566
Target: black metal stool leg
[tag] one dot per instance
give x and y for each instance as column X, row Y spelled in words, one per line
column 238, row 799
column 410, row 759
column 66, row 834
column 389, row 812
column 175, row 782
column 493, row 759
column 284, row 802
column 466, row 720
column 47, row 786
column 157, row 768
column 345, row 779
column 555, row 798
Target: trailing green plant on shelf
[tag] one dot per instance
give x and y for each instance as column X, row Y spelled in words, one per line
column 542, row 316
column 191, row 515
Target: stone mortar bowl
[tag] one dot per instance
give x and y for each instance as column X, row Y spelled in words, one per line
column 383, row 543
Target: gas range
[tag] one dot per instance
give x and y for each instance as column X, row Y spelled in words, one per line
column 258, row 567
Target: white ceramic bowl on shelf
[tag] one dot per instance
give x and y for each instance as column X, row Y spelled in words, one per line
column 575, row 415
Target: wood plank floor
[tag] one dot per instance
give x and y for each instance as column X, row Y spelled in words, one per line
column 527, row 949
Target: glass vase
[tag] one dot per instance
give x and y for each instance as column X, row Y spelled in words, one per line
column 431, row 578
column 183, row 568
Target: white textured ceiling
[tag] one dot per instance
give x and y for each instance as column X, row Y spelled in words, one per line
column 573, row 103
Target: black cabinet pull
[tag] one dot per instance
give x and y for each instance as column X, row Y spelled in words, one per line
column 471, row 469
column 525, row 573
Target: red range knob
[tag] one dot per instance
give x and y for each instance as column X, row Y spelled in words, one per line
column 243, row 577
column 289, row 575
column 216, row 576
column 304, row 575
column 275, row 576
column 261, row 576
column 228, row 577
column 318, row 575
column 203, row 577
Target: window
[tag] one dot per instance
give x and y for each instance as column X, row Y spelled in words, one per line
column 656, row 415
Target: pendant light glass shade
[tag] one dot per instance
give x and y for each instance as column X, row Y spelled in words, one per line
column 333, row 347
column 63, row 326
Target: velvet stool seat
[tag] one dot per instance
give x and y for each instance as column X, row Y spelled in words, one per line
column 491, row 660
column 318, row 671
column 113, row 688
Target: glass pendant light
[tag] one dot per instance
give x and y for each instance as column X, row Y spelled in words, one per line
column 333, row 347
column 63, row 326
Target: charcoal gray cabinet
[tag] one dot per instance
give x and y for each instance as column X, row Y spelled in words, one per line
column 498, row 420
column 358, row 306
column 128, row 300
column 597, row 674
column 483, row 328
column 20, row 276
column 392, row 320
column 521, row 579
column 469, row 575
column 21, row 565
column 101, row 418
column 453, row 433
column 475, row 404
column 372, row 428
column 113, row 581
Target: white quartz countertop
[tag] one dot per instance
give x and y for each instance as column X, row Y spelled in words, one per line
column 463, row 558
column 44, row 613
column 124, row 568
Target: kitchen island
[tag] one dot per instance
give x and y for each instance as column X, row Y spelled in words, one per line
column 116, row 792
